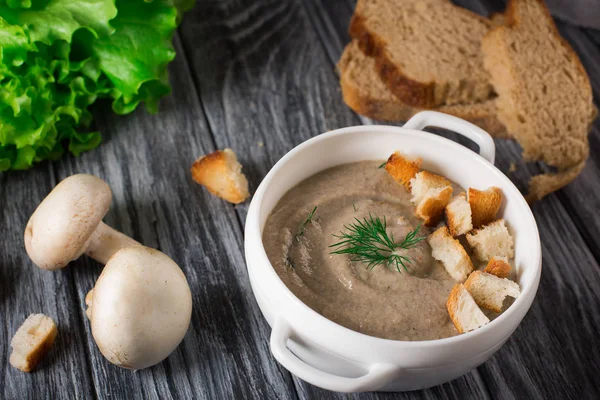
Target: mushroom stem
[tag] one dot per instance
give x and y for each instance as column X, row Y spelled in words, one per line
column 106, row 241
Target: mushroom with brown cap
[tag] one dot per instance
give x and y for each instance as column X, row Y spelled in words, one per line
column 140, row 308
column 68, row 223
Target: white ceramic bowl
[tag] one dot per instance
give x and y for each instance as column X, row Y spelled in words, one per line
column 328, row 355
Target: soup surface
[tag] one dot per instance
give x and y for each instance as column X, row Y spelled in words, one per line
column 380, row 302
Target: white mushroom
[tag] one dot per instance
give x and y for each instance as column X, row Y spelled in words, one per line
column 69, row 223
column 140, row 308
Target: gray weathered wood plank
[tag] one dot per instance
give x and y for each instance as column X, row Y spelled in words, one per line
column 569, row 289
column 26, row 289
column 146, row 161
column 281, row 91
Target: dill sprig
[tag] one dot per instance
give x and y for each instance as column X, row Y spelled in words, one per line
column 368, row 241
column 382, row 165
column 307, row 221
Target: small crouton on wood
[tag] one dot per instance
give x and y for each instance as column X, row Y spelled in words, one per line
column 221, row 173
column 464, row 311
column 33, row 339
column 450, row 253
column 431, row 193
column 493, row 240
column 489, row 291
column 402, row 169
column 498, row 266
column 458, row 215
column 484, row 205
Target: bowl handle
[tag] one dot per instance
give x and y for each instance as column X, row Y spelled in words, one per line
column 487, row 149
column 378, row 375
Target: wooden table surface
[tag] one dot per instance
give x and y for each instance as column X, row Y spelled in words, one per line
column 259, row 76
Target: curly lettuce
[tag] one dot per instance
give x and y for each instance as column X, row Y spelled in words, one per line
column 57, row 57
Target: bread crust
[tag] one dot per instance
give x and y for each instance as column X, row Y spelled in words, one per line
column 431, row 209
column 221, row 174
column 402, row 169
column 452, row 304
column 499, row 267
column 443, row 232
column 34, row 344
column 452, row 219
column 485, row 205
column 410, row 92
column 472, row 281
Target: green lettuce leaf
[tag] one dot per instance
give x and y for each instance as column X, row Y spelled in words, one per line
column 57, row 57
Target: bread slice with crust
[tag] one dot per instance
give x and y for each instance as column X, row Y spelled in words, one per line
column 498, row 266
column 431, row 193
column 450, row 253
column 221, row 173
column 464, row 311
column 489, row 291
column 493, row 240
column 427, row 52
column 402, row 169
column 364, row 92
column 484, row 205
column 458, row 215
column 544, row 93
column 32, row 341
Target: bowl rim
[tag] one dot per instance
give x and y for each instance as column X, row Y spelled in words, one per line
column 518, row 304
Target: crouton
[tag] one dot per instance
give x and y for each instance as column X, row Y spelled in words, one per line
column 431, row 193
column 498, row 266
column 450, row 252
column 489, row 291
column 402, row 169
column 463, row 310
column 220, row 173
column 33, row 339
column 484, row 205
column 458, row 215
column 491, row 240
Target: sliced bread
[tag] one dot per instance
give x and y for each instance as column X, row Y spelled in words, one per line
column 458, row 215
column 402, row 169
column 431, row 193
column 364, row 92
column 489, row 291
column 493, row 240
column 33, row 339
column 450, row 253
column 484, row 205
column 544, row 93
column 498, row 266
column 221, row 173
column 464, row 311
column 427, row 52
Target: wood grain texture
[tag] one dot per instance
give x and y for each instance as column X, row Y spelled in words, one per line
column 538, row 360
column 26, row 289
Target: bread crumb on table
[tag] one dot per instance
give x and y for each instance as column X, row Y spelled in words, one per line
column 32, row 341
column 221, row 173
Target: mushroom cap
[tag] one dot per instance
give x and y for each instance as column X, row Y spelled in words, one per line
column 141, row 308
column 60, row 228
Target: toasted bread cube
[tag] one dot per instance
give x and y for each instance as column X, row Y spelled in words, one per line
column 450, row 253
column 33, row 339
column 484, row 205
column 463, row 310
column 220, row 172
column 498, row 266
column 458, row 215
column 402, row 169
column 492, row 240
column 489, row 291
column 431, row 193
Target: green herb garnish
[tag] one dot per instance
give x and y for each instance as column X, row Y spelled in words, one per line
column 307, row 221
column 382, row 165
column 354, row 206
column 368, row 241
